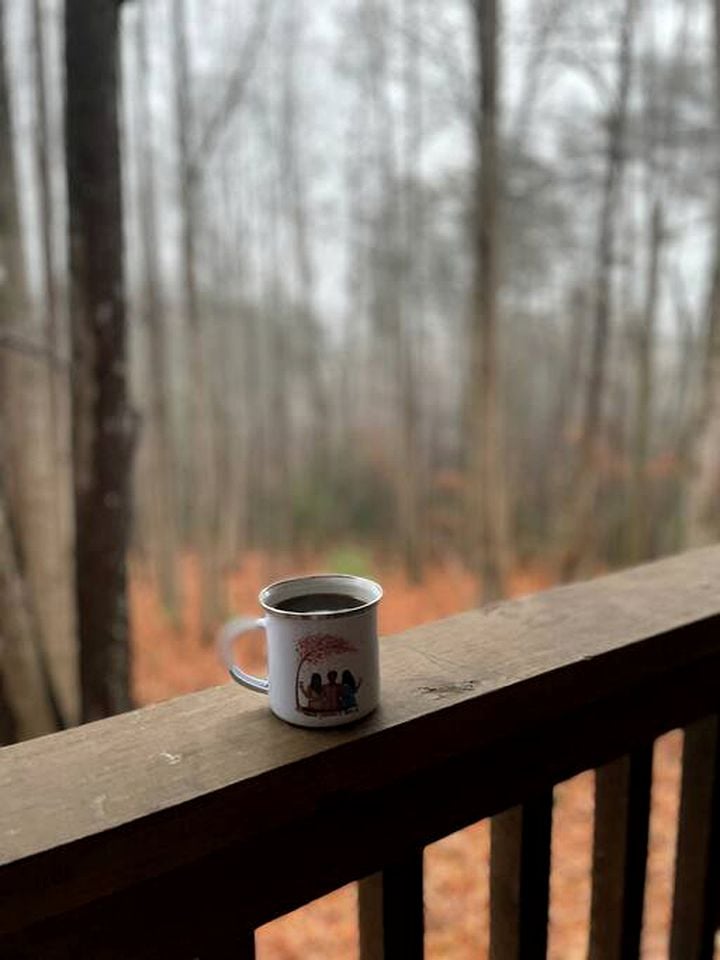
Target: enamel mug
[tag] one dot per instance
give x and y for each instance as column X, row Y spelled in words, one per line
column 323, row 664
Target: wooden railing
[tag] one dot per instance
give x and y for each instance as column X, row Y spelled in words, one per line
column 175, row 830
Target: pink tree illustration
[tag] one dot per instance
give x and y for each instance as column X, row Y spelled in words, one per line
column 314, row 649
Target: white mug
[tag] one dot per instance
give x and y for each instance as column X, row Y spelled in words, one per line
column 323, row 664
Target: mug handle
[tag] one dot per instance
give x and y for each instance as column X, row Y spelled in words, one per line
column 228, row 634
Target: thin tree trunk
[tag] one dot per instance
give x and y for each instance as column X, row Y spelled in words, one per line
column 293, row 172
column 184, row 118
column 569, row 384
column 487, row 521
column 640, row 511
column 57, row 594
column 703, row 506
column 231, row 362
column 580, row 517
column 277, row 368
column 24, row 689
column 14, row 307
column 42, row 158
column 549, row 18
column 411, row 332
column 685, row 409
column 352, row 359
column 391, row 307
column 102, row 419
column 39, row 611
column 26, row 704
column 202, row 492
column 162, row 453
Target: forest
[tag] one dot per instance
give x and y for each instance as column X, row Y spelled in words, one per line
column 379, row 284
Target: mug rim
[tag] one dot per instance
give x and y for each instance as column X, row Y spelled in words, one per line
column 329, row 615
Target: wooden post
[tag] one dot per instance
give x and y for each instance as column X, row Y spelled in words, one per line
column 622, row 812
column 390, row 910
column 520, row 880
column 697, row 866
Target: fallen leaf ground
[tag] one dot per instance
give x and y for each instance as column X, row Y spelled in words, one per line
column 171, row 659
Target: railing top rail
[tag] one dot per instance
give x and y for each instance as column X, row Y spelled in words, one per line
column 96, row 809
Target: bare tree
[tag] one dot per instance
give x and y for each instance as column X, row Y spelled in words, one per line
column 43, row 164
column 389, row 306
column 410, row 340
column 196, row 144
column 28, row 705
column 487, row 522
column 163, row 467
column 102, row 419
column 703, row 507
column 55, row 585
column 580, row 516
column 645, row 334
column 294, row 176
column 13, row 294
column 201, row 439
column 26, row 701
column 547, row 18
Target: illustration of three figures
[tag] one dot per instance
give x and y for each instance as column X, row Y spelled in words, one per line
column 331, row 696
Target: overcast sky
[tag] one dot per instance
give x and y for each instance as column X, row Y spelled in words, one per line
column 570, row 90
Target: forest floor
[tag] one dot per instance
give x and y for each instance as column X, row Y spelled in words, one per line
column 169, row 661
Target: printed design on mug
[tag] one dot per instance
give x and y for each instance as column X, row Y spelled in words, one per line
column 324, row 692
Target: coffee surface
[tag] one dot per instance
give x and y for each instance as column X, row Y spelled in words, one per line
column 319, row 603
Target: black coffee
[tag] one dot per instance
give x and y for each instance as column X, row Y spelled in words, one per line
column 319, row 603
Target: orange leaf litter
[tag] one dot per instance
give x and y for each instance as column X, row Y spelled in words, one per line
column 171, row 660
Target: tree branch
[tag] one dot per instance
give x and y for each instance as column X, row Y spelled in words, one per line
column 19, row 344
column 236, row 89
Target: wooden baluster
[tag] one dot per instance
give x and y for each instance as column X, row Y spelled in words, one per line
column 520, row 880
column 697, row 867
column 622, row 813
column 391, row 914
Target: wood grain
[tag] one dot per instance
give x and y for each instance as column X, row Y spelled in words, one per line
column 622, row 815
column 182, row 907
column 124, row 819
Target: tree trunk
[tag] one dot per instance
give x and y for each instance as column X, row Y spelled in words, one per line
column 24, row 690
column 276, row 358
column 487, row 521
column 581, row 512
column 42, row 158
column 703, row 503
column 14, row 307
column 640, row 507
column 202, row 493
column 547, row 21
column 37, row 584
column 26, row 702
column 295, row 183
column 57, row 593
column 412, row 317
column 390, row 279
column 232, row 364
column 102, row 418
column 162, row 458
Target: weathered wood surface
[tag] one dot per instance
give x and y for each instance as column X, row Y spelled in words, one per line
column 478, row 711
column 622, row 816
column 169, row 914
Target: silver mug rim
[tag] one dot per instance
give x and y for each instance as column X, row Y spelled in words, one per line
column 335, row 614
